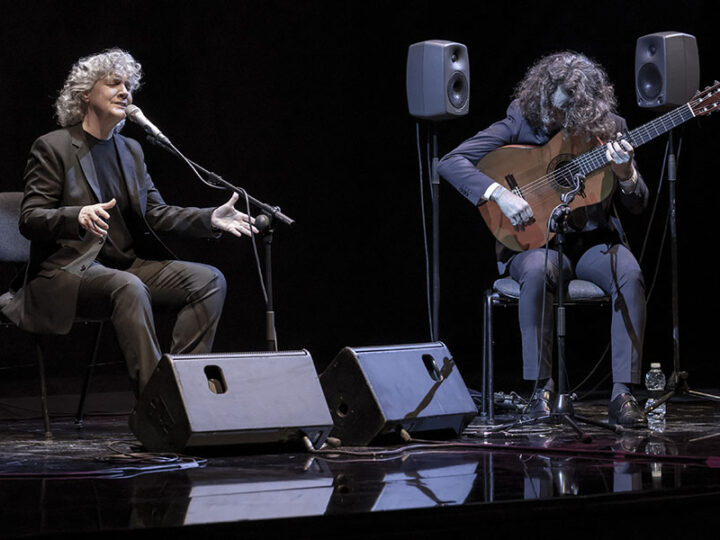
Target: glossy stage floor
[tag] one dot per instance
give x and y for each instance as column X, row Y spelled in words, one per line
column 536, row 480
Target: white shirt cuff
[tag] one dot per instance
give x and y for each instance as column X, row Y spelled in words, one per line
column 490, row 190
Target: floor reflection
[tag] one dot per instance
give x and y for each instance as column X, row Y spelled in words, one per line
column 61, row 484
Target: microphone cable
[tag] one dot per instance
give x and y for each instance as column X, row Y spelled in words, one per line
column 641, row 258
column 193, row 166
column 542, row 307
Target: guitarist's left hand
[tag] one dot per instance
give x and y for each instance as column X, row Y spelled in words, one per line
column 620, row 153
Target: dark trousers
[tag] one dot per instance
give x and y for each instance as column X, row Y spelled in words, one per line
column 195, row 291
column 615, row 270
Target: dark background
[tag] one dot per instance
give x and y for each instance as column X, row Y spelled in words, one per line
column 303, row 104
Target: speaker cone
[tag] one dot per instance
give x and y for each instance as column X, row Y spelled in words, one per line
column 649, row 82
column 457, row 90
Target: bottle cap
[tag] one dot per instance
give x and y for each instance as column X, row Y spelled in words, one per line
column 655, row 365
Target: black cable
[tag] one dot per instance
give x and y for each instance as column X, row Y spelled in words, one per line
column 241, row 192
column 655, row 204
column 665, row 228
column 542, row 306
column 591, row 373
column 168, row 145
column 142, row 463
column 641, row 257
column 599, row 383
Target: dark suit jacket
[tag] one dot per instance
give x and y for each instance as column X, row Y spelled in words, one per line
column 60, row 179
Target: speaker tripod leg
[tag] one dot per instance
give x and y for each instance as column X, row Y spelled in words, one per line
column 570, row 421
column 703, row 395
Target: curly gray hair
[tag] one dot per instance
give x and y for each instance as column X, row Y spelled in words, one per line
column 590, row 95
column 70, row 108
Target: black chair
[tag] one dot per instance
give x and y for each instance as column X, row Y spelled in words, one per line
column 505, row 292
column 15, row 249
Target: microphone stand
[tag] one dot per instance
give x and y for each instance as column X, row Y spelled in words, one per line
column 270, row 332
column 264, row 223
column 562, row 409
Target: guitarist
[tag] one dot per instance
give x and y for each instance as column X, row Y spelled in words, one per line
column 566, row 92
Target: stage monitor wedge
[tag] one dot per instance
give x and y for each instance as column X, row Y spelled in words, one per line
column 438, row 80
column 667, row 70
column 374, row 391
column 231, row 399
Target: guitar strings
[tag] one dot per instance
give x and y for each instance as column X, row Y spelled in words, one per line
column 596, row 158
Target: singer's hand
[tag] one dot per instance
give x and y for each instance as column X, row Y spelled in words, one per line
column 93, row 218
column 227, row 218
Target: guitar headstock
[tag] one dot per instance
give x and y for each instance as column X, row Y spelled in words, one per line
column 706, row 101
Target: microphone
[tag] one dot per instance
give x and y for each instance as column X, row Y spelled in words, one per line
column 262, row 222
column 134, row 113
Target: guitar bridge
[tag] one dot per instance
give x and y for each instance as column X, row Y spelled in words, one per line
column 513, row 185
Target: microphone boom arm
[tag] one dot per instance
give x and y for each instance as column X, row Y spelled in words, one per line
column 272, row 212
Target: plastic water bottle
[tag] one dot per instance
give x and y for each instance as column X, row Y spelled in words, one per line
column 655, row 384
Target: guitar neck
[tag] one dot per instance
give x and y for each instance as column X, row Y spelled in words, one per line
column 661, row 125
column 594, row 159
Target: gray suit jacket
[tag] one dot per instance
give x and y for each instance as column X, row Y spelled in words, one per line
column 60, row 179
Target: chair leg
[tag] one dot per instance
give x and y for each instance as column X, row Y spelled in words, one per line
column 88, row 375
column 483, row 410
column 487, row 412
column 43, row 387
column 490, row 359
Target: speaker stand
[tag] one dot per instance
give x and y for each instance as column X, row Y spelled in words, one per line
column 677, row 382
column 435, row 194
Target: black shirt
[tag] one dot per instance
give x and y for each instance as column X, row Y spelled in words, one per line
column 118, row 251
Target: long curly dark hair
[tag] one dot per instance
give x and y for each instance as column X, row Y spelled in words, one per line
column 591, row 96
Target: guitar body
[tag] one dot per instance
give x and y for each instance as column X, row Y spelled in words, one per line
column 534, row 172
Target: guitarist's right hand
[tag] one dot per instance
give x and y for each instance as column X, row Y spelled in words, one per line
column 515, row 208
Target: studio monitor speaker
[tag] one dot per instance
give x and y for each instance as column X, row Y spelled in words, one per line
column 438, row 80
column 375, row 391
column 667, row 70
column 231, row 399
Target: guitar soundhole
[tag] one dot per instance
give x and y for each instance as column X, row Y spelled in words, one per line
column 561, row 171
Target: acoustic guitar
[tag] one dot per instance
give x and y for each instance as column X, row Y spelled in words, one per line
column 543, row 174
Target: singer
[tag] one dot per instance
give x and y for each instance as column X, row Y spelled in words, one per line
column 566, row 92
column 92, row 212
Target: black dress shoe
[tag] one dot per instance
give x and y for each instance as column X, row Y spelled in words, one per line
column 626, row 411
column 541, row 404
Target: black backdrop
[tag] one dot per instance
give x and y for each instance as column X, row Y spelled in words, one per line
column 303, row 104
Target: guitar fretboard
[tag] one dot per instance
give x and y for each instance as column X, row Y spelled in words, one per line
column 594, row 159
